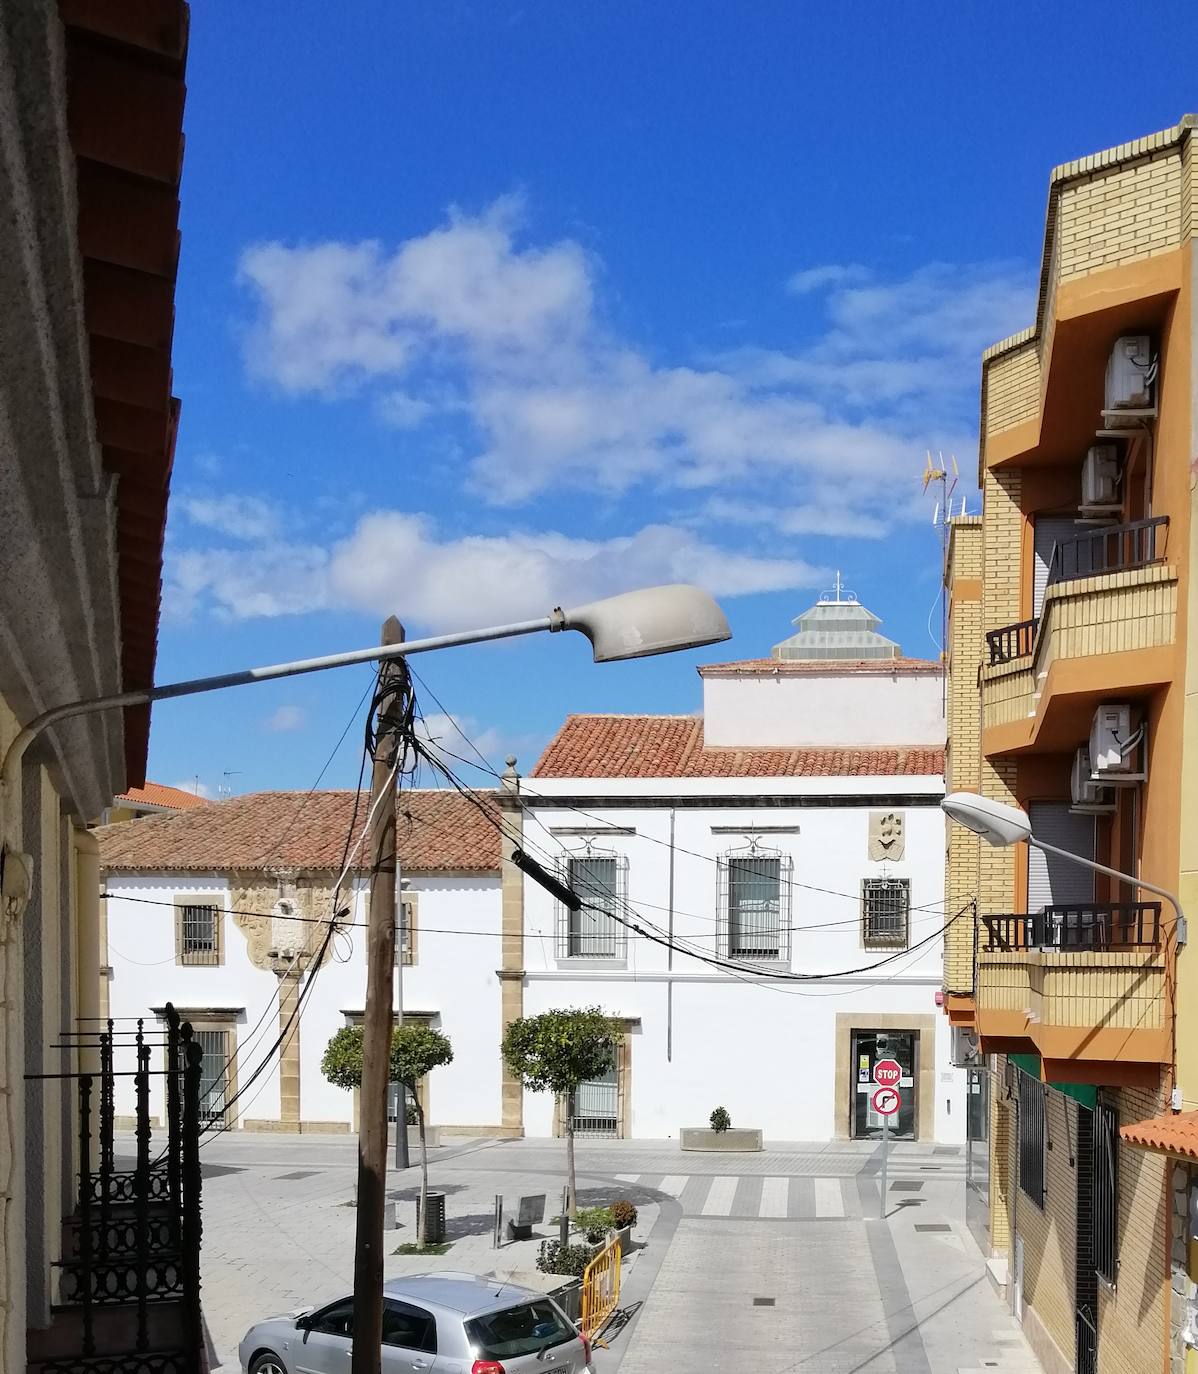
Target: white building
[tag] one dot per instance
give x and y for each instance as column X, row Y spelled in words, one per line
column 791, row 829
column 763, row 891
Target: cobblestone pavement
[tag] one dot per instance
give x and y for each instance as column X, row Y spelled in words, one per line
column 774, row 1261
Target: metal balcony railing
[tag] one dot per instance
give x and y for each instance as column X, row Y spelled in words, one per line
column 1077, row 929
column 1108, row 549
column 1012, row 641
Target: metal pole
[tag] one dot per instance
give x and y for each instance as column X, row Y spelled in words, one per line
column 401, row 1114
column 376, row 1033
column 885, row 1155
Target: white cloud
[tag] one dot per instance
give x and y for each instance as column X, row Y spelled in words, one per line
column 194, row 786
column 457, row 733
column 472, row 319
column 286, row 718
column 394, row 561
column 829, row 274
column 242, row 517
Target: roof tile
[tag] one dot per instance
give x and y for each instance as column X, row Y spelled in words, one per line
column 1173, row 1134
column 790, row 667
column 155, row 794
column 673, row 747
column 439, row 831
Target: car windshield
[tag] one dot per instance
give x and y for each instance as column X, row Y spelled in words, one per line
column 517, row 1331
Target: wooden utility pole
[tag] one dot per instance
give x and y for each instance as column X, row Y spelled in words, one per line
column 376, row 1028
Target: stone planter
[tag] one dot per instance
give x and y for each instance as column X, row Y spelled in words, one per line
column 732, row 1140
column 432, row 1138
column 625, row 1238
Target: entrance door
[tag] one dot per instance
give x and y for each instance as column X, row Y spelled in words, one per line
column 868, row 1047
column 1048, row 532
column 597, row 1106
column 977, row 1155
column 214, row 1071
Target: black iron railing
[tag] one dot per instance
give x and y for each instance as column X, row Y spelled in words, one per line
column 1068, row 928
column 135, row 1239
column 1109, row 548
column 1087, row 1342
column 1012, row 641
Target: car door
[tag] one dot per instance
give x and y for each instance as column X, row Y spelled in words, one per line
column 326, row 1343
column 409, row 1338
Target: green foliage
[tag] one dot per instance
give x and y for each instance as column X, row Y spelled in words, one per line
column 409, row 1248
column 559, row 1049
column 416, row 1049
column 556, row 1258
column 720, row 1120
column 594, row 1222
column 410, row 1113
column 623, row 1213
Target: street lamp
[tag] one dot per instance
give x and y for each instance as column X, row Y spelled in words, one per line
column 1001, row 824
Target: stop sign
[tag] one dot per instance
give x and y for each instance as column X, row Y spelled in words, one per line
column 887, row 1073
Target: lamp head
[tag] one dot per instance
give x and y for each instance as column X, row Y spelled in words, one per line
column 996, row 822
column 654, row 620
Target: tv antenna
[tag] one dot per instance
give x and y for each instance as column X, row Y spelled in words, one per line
column 224, row 789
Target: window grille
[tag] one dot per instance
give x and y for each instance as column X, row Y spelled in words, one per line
column 1105, row 1197
column 596, row 930
column 754, row 902
column 405, row 932
column 885, row 912
column 214, row 1074
column 1031, row 1138
column 199, row 933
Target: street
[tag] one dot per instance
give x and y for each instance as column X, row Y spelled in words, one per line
column 775, row 1261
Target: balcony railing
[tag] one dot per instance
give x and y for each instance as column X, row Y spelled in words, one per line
column 1108, row 549
column 1066, row 929
column 1012, row 641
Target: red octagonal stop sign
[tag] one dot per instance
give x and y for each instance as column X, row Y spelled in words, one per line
column 887, row 1073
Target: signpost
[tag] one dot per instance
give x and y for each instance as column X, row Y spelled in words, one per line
column 886, row 1101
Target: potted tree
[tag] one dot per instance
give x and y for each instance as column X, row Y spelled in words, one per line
column 555, row 1052
column 720, row 1135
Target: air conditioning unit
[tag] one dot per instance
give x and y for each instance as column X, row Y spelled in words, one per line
column 1101, row 476
column 1090, row 798
column 1130, row 374
column 964, row 1052
column 1114, row 746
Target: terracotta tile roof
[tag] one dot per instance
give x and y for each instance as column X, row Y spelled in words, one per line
column 791, row 667
column 439, row 831
column 672, row 747
column 1172, row 1134
column 155, row 794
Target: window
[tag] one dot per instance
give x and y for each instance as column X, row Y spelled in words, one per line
column 410, row 1328
column 198, row 930
column 885, row 905
column 596, row 929
column 1105, row 1198
column 525, row 1330
column 754, row 905
column 335, row 1320
column 405, row 930
column 214, row 1073
column 1031, row 1138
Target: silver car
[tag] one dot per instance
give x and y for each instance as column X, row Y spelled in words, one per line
column 446, row 1323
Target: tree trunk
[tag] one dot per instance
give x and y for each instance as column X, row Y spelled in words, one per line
column 571, row 1190
column 422, row 1238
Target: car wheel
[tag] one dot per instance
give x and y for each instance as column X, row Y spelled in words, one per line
column 267, row 1362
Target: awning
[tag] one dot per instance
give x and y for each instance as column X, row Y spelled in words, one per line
column 1085, row 1093
column 1175, row 1133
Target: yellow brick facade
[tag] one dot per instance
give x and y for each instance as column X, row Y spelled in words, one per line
column 1012, row 388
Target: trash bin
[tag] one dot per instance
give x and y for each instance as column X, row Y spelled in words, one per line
column 436, row 1218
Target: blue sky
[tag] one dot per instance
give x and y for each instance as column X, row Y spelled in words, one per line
column 485, row 307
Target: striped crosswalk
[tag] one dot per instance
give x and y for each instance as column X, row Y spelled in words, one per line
column 771, row 1198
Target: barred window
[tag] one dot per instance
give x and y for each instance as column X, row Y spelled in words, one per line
column 754, row 897
column 885, row 910
column 1105, row 1198
column 198, row 932
column 1032, row 1139
column 596, row 930
column 405, row 930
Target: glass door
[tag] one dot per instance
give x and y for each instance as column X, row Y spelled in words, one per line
column 868, row 1048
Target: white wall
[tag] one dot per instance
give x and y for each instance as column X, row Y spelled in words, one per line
column 816, row 709
column 457, row 947
column 765, row 1049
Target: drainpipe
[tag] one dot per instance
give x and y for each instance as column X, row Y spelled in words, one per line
column 670, row 949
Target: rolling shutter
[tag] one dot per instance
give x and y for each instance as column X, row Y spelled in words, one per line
column 1049, row 531
column 1052, row 881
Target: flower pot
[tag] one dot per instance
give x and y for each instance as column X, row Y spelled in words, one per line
column 735, row 1139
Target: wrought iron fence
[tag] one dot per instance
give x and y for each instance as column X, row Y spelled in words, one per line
column 1012, row 641
column 885, row 904
column 1077, row 927
column 1109, row 548
column 1087, row 1342
column 135, row 1239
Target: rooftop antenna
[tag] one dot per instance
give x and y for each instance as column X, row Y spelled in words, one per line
column 944, row 476
column 224, row 790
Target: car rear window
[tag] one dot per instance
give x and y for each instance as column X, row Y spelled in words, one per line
column 517, row 1331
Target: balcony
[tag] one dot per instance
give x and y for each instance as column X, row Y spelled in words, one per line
column 1084, row 987
column 1108, row 624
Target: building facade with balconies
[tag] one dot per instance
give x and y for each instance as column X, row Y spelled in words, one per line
column 1069, row 666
